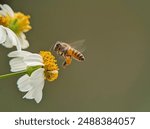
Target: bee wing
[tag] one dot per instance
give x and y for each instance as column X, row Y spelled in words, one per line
column 78, row 45
column 52, row 47
column 60, row 57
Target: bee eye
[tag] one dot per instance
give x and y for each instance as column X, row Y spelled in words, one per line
column 58, row 45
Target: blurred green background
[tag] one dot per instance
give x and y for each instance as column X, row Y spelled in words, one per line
column 116, row 73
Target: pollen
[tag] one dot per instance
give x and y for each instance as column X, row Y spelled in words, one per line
column 50, row 66
column 3, row 20
column 23, row 22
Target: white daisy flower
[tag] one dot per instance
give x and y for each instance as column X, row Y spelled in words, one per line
column 17, row 22
column 8, row 38
column 38, row 67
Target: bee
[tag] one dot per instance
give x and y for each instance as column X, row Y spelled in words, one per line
column 67, row 51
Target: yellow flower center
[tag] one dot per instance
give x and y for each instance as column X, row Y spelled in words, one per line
column 50, row 66
column 3, row 21
column 19, row 23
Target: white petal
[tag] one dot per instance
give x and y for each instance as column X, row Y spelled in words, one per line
column 24, row 43
column 2, row 35
column 39, row 73
column 17, row 69
column 22, row 35
column 11, row 39
column 3, row 13
column 33, row 60
column 16, row 61
column 35, row 64
column 22, row 79
column 35, row 57
column 3, row 9
column 38, row 94
column 8, row 43
column 34, row 84
column 19, row 54
column 24, row 83
column 17, row 64
column 24, row 59
column 29, row 95
column 9, row 10
column 12, row 36
column 8, row 38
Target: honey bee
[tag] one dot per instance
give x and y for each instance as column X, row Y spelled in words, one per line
column 67, row 51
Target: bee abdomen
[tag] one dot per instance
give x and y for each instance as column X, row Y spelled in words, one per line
column 77, row 55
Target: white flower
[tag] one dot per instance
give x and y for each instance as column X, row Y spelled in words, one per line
column 19, row 27
column 34, row 83
column 8, row 38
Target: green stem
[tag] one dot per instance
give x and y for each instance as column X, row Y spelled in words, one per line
column 28, row 71
column 12, row 74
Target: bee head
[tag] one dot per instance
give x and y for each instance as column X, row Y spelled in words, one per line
column 57, row 46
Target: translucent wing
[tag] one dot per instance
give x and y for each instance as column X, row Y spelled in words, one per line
column 78, row 45
column 52, row 46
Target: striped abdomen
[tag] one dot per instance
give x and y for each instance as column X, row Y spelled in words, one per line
column 77, row 55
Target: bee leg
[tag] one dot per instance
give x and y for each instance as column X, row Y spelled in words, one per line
column 67, row 61
column 64, row 64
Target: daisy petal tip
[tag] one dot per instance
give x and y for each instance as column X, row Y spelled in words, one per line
column 38, row 100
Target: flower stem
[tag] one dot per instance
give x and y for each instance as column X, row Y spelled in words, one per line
column 12, row 74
